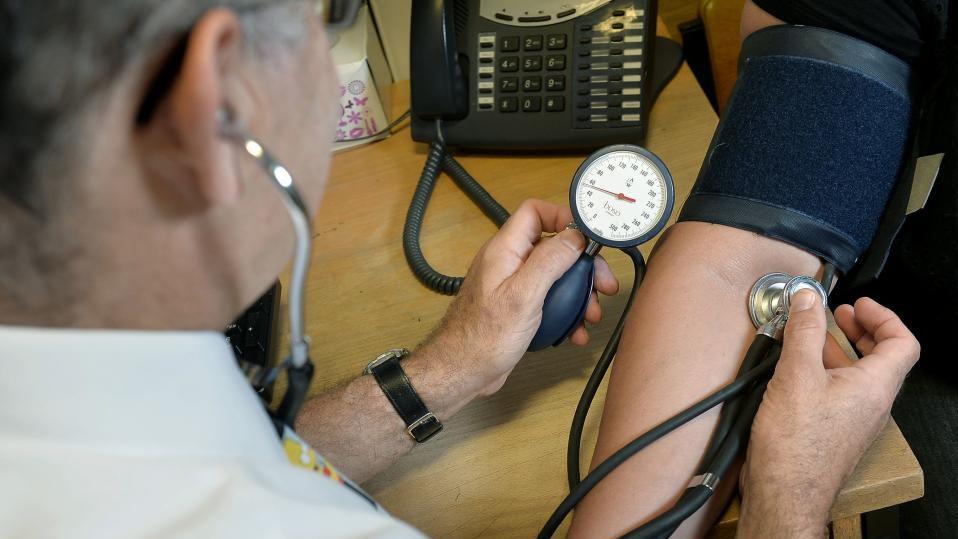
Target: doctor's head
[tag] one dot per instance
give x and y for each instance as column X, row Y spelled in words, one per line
column 121, row 205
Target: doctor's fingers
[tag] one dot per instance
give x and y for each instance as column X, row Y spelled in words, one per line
column 525, row 227
column 605, row 281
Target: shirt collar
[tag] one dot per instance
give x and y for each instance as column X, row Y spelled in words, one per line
column 139, row 393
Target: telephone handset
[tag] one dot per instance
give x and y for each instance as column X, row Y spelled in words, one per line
column 502, row 74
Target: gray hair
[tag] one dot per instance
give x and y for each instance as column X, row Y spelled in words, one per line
column 59, row 56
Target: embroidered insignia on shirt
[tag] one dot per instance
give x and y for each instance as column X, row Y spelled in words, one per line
column 301, row 455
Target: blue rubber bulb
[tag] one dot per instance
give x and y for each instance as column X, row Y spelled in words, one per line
column 565, row 304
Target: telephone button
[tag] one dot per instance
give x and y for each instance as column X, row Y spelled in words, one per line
column 555, row 62
column 618, row 13
column 532, row 43
column 508, row 84
column 503, row 17
column 565, row 13
column 508, row 104
column 531, row 84
column 537, row 18
column 509, row 64
column 509, row 44
column 532, row 63
column 618, row 26
column 555, row 42
column 555, row 83
column 531, row 103
column 555, row 103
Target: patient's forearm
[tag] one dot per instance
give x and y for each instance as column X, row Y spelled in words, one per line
column 685, row 338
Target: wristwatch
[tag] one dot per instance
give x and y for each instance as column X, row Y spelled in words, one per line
column 421, row 424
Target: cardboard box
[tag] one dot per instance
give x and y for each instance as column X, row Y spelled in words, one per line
column 364, row 83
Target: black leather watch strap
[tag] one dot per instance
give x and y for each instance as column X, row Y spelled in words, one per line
column 421, row 424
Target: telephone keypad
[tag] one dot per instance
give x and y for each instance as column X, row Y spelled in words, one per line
column 532, row 63
column 601, row 56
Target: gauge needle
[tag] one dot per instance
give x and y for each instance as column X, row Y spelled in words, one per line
column 619, row 196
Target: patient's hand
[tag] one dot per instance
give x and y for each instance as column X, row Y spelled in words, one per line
column 820, row 413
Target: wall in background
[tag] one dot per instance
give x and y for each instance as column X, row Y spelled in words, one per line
column 392, row 21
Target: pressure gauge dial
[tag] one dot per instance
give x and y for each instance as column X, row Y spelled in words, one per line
column 622, row 196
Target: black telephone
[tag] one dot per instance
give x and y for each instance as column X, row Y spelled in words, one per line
column 506, row 74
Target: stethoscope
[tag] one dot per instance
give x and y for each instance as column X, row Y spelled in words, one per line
column 621, row 197
column 298, row 365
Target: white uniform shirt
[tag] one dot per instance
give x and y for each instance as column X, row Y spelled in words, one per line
column 152, row 434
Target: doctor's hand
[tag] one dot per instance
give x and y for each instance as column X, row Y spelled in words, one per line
column 499, row 307
column 820, row 413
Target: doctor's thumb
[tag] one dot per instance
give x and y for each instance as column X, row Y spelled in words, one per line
column 550, row 259
column 805, row 332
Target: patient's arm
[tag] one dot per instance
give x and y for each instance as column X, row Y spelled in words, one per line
column 685, row 338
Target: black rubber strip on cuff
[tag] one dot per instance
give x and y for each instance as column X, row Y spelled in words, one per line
column 782, row 224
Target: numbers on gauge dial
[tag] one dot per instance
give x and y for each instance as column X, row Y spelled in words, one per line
column 621, row 196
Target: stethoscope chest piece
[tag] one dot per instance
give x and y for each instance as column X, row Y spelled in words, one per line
column 773, row 292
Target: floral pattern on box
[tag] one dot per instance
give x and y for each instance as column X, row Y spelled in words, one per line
column 361, row 111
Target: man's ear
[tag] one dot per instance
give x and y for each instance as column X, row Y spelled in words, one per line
column 196, row 100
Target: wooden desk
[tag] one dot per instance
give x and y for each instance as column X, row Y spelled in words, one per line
column 498, row 469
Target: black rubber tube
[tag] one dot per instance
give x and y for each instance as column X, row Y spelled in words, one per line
column 606, row 467
column 756, row 351
column 598, row 374
column 694, row 498
column 436, row 161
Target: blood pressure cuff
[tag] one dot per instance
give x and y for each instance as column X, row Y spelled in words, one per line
column 811, row 143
